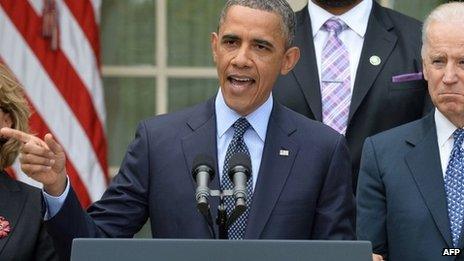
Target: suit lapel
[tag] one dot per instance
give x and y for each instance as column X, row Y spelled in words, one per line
column 306, row 72
column 11, row 205
column 378, row 41
column 202, row 140
column 424, row 163
column 273, row 171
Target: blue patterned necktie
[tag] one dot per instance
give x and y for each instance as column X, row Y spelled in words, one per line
column 237, row 145
column 454, row 186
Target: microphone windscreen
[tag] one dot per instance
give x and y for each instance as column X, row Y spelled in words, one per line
column 240, row 159
column 203, row 162
column 202, row 159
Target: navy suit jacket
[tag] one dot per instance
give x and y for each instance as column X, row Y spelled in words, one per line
column 305, row 195
column 401, row 198
column 377, row 104
column 21, row 205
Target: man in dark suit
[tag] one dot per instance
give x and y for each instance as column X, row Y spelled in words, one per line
column 411, row 183
column 385, row 88
column 301, row 179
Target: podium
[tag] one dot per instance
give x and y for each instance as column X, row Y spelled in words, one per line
column 218, row 250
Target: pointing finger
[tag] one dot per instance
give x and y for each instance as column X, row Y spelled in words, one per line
column 16, row 134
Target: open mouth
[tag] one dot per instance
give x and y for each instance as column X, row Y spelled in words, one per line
column 240, row 81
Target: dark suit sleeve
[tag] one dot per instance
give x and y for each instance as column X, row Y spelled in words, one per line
column 335, row 213
column 122, row 210
column 44, row 250
column 371, row 201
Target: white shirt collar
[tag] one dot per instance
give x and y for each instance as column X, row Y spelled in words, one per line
column 356, row 18
column 445, row 128
column 225, row 116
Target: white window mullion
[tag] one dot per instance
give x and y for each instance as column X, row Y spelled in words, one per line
column 161, row 57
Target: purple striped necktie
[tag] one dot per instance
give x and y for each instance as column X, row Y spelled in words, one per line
column 335, row 75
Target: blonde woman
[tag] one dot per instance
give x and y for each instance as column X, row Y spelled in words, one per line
column 22, row 232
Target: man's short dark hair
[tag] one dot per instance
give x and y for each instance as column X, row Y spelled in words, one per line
column 280, row 7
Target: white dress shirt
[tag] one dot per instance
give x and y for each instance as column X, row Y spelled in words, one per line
column 254, row 137
column 445, row 139
column 353, row 36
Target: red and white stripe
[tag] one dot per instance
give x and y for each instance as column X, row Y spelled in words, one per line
column 63, row 86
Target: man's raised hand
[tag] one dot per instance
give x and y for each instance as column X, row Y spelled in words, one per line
column 42, row 160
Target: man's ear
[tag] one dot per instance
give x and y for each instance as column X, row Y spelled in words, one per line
column 214, row 41
column 291, row 57
column 424, row 70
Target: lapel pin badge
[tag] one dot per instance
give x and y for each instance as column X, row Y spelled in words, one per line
column 375, row 60
column 4, row 227
column 284, row 152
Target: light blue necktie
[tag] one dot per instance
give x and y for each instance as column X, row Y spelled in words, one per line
column 454, row 186
column 237, row 145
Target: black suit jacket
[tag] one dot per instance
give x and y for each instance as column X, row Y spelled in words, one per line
column 22, row 206
column 305, row 195
column 401, row 199
column 377, row 103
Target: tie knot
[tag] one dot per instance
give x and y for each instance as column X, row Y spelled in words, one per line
column 334, row 25
column 240, row 126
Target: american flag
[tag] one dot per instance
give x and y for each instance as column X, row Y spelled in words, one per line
column 53, row 48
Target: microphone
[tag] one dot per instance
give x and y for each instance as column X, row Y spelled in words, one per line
column 203, row 173
column 239, row 173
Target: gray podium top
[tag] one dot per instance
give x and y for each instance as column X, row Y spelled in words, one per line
column 218, row 250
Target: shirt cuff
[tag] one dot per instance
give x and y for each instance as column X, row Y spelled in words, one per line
column 54, row 204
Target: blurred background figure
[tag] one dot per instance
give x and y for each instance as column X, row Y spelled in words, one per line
column 359, row 72
column 22, row 232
